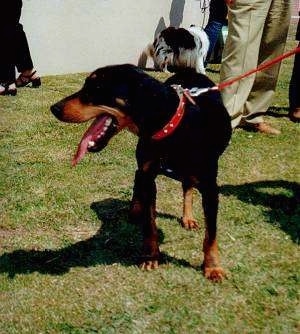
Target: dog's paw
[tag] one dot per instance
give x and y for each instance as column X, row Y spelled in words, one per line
column 189, row 224
column 149, row 265
column 215, row 274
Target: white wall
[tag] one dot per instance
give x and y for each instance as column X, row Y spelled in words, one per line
column 70, row 36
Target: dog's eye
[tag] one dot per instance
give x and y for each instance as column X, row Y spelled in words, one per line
column 92, row 82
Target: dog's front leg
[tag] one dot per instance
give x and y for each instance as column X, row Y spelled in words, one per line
column 200, row 68
column 143, row 212
column 211, row 263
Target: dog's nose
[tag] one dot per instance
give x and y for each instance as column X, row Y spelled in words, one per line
column 56, row 110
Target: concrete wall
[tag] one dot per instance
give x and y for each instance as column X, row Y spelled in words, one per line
column 70, row 36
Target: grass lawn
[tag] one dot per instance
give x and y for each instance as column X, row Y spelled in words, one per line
column 68, row 253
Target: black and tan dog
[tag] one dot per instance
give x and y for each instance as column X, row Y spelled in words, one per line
column 187, row 137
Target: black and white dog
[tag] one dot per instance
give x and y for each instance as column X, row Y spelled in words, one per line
column 179, row 47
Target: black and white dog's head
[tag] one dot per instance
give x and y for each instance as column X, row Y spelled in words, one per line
column 179, row 47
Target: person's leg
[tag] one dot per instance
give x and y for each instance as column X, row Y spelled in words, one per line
column 213, row 30
column 24, row 61
column 10, row 12
column 23, row 56
column 7, row 67
column 217, row 18
column 272, row 45
column 294, row 96
column 241, row 51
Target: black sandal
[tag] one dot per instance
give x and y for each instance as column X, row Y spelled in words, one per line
column 25, row 80
column 7, row 90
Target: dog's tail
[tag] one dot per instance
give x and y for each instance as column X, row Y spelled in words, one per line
column 148, row 52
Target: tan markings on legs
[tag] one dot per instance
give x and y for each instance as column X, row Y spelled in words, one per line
column 188, row 220
column 211, row 263
column 150, row 242
column 144, row 210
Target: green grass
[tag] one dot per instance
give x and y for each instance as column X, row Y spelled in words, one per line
column 68, row 253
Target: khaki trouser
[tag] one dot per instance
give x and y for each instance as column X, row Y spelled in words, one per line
column 257, row 32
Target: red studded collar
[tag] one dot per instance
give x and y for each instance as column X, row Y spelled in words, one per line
column 171, row 126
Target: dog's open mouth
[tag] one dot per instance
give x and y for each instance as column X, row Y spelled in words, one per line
column 97, row 136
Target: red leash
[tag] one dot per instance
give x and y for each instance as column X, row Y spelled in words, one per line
column 198, row 91
column 259, row 68
column 170, row 127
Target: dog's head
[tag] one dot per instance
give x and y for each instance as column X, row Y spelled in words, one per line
column 104, row 98
column 168, row 45
column 162, row 54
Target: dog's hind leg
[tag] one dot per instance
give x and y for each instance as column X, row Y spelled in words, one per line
column 188, row 221
column 211, row 263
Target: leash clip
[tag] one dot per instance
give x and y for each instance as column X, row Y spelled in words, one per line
column 179, row 89
column 195, row 91
column 184, row 91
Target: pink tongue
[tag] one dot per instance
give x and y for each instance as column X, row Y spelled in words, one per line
column 90, row 135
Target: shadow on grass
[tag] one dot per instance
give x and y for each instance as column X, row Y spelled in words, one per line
column 280, row 199
column 276, row 112
column 117, row 241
